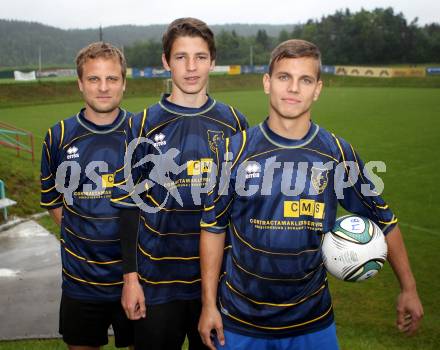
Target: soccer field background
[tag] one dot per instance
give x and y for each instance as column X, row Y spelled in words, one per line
column 400, row 126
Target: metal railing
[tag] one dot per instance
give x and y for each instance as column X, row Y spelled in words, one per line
column 10, row 137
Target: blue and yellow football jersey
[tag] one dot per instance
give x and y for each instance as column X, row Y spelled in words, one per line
column 90, row 244
column 178, row 159
column 280, row 198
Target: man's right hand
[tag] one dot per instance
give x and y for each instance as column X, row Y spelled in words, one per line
column 133, row 299
column 211, row 320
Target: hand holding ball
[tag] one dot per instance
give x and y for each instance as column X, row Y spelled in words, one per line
column 355, row 249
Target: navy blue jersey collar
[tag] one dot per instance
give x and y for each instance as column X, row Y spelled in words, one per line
column 284, row 142
column 101, row 129
column 185, row 111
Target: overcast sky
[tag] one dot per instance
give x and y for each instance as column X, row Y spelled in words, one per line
column 92, row 13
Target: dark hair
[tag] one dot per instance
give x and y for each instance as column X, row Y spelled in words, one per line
column 99, row 49
column 295, row 48
column 187, row 26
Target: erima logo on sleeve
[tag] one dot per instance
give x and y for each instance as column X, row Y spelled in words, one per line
column 253, row 170
column 159, row 140
column 72, row 152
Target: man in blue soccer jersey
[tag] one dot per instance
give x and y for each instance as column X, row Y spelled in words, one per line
column 161, row 241
column 279, row 197
column 77, row 169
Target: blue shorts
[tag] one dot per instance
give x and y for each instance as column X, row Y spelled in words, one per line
column 324, row 339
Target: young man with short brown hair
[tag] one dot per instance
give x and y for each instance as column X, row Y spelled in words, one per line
column 274, row 293
column 161, row 241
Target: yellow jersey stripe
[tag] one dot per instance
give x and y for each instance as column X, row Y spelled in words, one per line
column 122, row 167
column 62, row 133
column 168, row 233
column 77, row 138
column 234, row 230
column 393, row 221
column 161, row 125
column 154, row 201
column 48, row 190
column 46, row 178
column 115, row 200
column 151, row 257
column 47, row 151
column 278, row 328
column 87, row 217
column 144, row 118
column 236, row 118
column 91, row 282
column 53, row 202
column 241, row 149
column 204, row 224
column 276, row 279
column 345, row 166
column 49, row 132
column 168, row 282
column 219, row 122
column 274, row 304
column 89, row 239
column 120, row 183
column 91, row 261
column 224, row 210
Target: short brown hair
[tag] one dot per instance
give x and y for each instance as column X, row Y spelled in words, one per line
column 100, row 49
column 187, row 26
column 295, row 48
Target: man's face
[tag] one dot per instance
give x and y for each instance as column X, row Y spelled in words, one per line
column 102, row 84
column 292, row 87
column 190, row 63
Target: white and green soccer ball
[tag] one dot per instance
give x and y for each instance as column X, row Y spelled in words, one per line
column 355, row 249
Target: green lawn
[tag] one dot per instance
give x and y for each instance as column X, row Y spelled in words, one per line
column 54, row 79
column 52, row 344
column 400, row 126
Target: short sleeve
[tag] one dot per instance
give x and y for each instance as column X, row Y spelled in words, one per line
column 128, row 175
column 50, row 197
column 218, row 202
column 360, row 197
column 242, row 123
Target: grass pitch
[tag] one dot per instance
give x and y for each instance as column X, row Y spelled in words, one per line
column 400, row 126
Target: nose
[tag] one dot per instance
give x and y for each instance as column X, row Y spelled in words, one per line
column 103, row 85
column 191, row 64
column 294, row 85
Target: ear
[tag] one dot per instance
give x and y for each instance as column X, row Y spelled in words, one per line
column 125, row 84
column 266, row 83
column 318, row 90
column 80, row 85
column 211, row 68
column 165, row 63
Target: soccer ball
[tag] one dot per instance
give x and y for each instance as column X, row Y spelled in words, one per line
column 355, row 249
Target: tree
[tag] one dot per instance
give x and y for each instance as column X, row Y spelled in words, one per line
column 283, row 36
column 144, row 54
